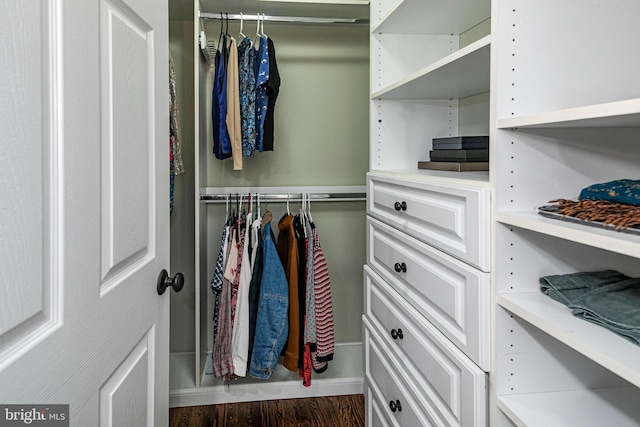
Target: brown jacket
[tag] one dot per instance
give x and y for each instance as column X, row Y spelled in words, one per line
column 288, row 251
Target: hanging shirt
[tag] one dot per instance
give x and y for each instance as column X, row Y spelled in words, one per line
column 247, row 87
column 261, row 68
column 298, row 228
column 256, row 277
column 222, row 357
column 233, row 106
column 324, row 306
column 240, row 340
column 310, row 308
column 174, row 121
column 271, row 326
column 221, row 141
column 273, row 88
column 288, row 252
column 217, row 279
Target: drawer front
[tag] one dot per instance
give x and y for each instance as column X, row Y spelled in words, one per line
column 385, row 386
column 452, row 295
column 454, row 219
column 453, row 386
column 374, row 414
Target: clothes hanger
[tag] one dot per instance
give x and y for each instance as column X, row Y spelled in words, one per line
column 241, row 34
column 308, row 210
column 264, row 17
column 288, row 197
column 257, row 215
column 256, row 42
column 221, row 42
column 303, row 218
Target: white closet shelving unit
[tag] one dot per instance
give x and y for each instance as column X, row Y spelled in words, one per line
column 427, row 281
column 567, row 115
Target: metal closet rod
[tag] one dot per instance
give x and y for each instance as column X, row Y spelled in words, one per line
column 300, row 19
column 269, row 195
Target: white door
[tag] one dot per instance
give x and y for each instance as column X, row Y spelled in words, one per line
column 84, row 210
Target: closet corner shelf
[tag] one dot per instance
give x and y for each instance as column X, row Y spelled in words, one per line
column 609, row 240
column 461, row 74
column 432, row 17
column 612, row 114
column 607, row 407
column 597, row 343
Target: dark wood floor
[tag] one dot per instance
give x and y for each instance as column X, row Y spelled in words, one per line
column 328, row 411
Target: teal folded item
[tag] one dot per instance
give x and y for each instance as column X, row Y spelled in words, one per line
column 625, row 191
column 566, row 288
column 606, row 298
column 615, row 307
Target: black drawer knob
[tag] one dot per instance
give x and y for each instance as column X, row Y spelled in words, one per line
column 395, row 406
column 400, row 267
column 400, row 206
column 397, row 334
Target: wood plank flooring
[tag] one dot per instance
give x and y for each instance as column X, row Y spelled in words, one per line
column 327, row 411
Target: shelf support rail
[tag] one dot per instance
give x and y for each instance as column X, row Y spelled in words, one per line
column 284, row 194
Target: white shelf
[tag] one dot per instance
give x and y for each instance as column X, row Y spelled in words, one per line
column 461, row 74
column 612, row 114
column 607, row 407
column 432, row 17
column 596, row 343
column 612, row 241
column 473, row 179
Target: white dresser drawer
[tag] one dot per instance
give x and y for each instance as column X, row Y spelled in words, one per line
column 454, row 219
column 374, row 414
column 454, row 387
column 452, row 295
column 396, row 400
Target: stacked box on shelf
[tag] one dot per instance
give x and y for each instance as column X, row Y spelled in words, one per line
column 459, row 153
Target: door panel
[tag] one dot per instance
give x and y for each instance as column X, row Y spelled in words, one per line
column 85, row 226
column 127, row 141
column 29, row 216
column 125, row 397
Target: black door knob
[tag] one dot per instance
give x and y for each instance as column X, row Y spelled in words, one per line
column 164, row 281
column 395, row 406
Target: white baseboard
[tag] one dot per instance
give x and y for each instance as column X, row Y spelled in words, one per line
column 345, row 378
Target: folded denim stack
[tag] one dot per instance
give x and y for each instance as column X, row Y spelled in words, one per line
column 607, row 298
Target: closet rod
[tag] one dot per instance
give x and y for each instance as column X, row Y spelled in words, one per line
column 276, row 194
column 298, row 19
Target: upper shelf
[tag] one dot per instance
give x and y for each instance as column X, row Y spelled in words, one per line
column 431, row 17
column 611, row 114
column 461, row 74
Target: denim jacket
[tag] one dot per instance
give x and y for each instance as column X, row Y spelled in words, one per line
column 272, row 326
